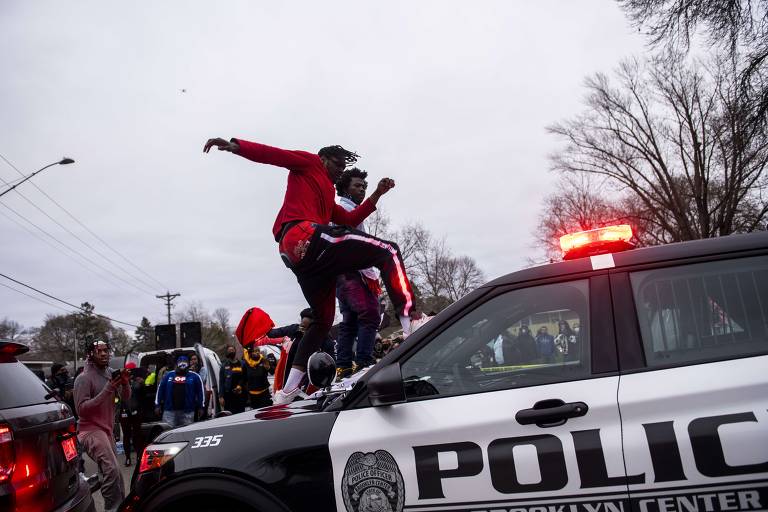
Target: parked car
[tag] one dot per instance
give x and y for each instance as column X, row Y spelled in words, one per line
column 39, row 459
column 619, row 380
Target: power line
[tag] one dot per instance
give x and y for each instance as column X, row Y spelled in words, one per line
column 89, row 246
column 49, row 244
column 79, row 308
column 89, row 230
column 86, row 258
column 35, row 298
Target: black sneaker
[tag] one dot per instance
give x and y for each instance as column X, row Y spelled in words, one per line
column 127, row 461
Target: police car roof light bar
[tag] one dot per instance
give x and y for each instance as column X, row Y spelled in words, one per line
column 596, row 241
column 12, row 348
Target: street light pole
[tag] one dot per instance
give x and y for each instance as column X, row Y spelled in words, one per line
column 63, row 161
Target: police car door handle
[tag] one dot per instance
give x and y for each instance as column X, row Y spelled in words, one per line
column 551, row 413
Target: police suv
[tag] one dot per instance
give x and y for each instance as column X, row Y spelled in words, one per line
column 617, row 380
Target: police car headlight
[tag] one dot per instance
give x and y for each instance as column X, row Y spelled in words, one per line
column 156, row 456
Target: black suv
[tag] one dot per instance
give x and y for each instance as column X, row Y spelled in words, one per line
column 38, row 443
column 619, row 380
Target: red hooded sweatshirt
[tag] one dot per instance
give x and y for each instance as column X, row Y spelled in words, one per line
column 310, row 194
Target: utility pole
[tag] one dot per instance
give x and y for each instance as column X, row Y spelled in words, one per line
column 168, row 297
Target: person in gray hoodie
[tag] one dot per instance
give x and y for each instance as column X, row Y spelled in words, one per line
column 95, row 391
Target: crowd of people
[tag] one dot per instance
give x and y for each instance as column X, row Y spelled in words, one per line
column 521, row 347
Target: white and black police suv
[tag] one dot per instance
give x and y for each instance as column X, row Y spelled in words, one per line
column 617, row 380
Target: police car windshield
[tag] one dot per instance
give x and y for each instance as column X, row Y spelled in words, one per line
column 524, row 337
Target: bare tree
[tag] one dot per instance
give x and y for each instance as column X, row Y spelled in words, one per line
column 676, row 141
column 377, row 224
column 57, row 337
column 9, row 329
column 441, row 277
column 216, row 331
column 735, row 26
column 221, row 317
column 461, row 276
column 194, row 312
column 577, row 204
column 120, row 341
column 413, row 238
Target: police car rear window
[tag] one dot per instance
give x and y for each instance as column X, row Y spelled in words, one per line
column 703, row 312
column 27, row 388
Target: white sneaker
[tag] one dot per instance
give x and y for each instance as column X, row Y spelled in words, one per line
column 282, row 398
column 405, row 323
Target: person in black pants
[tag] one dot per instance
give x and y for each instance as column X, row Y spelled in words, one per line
column 358, row 292
column 130, row 416
column 295, row 332
column 232, row 383
column 256, row 368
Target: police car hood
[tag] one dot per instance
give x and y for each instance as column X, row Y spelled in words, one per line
column 271, row 413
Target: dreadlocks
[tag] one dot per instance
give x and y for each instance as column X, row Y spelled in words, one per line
column 338, row 152
column 346, row 179
column 92, row 344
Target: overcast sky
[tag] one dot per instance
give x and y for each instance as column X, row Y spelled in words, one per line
column 451, row 99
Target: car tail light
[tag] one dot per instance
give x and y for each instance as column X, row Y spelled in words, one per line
column 7, row 455
column 596, row 241
column 156, row 456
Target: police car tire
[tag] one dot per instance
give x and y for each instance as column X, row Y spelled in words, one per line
column 202, row 488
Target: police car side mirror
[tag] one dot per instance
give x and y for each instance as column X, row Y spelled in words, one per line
column 385, row 387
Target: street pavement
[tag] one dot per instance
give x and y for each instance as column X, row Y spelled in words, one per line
column 91, row 469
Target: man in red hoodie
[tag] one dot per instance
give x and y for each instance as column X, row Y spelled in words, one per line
column 317, row 252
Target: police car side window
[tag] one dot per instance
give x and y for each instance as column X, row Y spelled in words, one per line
column 524, row 337
column 703, row 312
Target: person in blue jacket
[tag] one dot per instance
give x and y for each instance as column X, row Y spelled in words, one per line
column 180, row 394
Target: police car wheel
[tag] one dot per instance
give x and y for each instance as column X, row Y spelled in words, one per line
column 212, row 493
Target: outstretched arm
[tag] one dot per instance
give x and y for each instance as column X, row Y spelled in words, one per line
column 279, row 332
column 263, row 154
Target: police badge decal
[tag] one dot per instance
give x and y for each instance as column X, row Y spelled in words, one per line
column 372, row 483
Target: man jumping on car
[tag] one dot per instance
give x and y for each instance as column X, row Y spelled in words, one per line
column 317, row 252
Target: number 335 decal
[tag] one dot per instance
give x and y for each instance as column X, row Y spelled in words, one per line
column 207, row 441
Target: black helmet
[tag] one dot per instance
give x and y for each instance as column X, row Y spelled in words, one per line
column 321, row 369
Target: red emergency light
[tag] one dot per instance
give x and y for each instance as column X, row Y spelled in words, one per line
column 12, row 348
column 596, row 241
